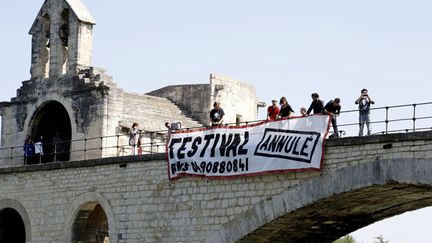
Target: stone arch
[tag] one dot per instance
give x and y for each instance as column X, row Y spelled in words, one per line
column 14, row 209
column 372, row 191
column 66, row 103
column 51, row 122
column 89, row 206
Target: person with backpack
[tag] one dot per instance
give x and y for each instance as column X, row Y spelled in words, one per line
column 364, row 102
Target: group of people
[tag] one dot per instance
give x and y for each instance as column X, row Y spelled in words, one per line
column 332, row 108
column 135, row 135
column 275, row 112
column 285, row 110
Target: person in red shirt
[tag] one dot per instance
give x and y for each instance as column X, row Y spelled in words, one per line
column 273, row 111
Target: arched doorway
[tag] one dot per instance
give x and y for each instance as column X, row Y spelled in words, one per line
column 90, row 225
column 12, row 227
column 51, row 122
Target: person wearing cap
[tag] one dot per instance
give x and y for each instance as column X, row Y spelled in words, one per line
column 273, row 111
column 364, row 102
column 317, row 105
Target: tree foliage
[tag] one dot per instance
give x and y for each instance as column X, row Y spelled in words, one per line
column 346, row 239
column 351, row 239
column 380, row 239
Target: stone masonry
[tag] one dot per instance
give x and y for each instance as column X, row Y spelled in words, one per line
column 85, row 197
column 87, row 102
column 237, row 98
column 143, row 206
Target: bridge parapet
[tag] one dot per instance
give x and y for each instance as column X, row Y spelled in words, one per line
column 146, row 207
column 356, row 150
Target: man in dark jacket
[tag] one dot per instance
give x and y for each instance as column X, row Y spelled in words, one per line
column 28, row 151
column 317, row 105
column 333, row 108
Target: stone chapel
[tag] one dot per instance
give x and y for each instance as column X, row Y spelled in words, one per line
column 67, row 99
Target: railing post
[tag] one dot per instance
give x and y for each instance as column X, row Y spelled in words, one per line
column 101, row 147
column 11, row 156
column 387, row 119
column 117, row 147
column 55, row 151
column 414, row 116
column 85, row 148
column 151, row 142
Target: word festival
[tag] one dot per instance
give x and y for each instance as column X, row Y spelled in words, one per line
column 228, row 145
column 268, row 147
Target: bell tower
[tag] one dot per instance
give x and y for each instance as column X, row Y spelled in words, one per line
column 62, row 40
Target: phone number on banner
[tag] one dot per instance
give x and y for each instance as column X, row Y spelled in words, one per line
column 234, row 166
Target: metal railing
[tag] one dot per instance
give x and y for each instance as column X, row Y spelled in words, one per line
column 85, row 148
column 384, row 120
column 348, row 121
column 390, row 119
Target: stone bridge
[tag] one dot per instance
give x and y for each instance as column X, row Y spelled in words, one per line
column 129, row 199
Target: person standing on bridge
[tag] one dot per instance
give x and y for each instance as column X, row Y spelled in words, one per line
column 39, row 149
column 317, row 105
column 173, row 126
column 285, row 109
column 303, row 111
column 364, row 102
column 273, row 111
column 28, row 151
column 134, row 135
column 216, row 114
column 333, row 108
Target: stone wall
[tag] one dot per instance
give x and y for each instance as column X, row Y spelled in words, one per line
column 193, row 99
column 152, row 112
column 143, row 206
column 237, row 98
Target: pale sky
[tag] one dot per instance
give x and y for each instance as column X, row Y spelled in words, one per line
column 282, row 47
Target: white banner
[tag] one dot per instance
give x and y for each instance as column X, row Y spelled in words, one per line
column 294, row 144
